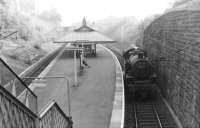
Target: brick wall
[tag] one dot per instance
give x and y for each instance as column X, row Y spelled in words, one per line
column 176, row 37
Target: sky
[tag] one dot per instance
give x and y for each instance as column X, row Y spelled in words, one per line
column 72, row 11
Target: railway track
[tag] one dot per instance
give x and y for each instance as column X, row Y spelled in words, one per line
column 152, row 113
column 149, row 114
column 39, row 69
column 118, row 55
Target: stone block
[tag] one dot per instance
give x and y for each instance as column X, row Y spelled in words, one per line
column 175, row 36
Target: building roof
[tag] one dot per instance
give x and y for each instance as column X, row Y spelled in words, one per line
column 84, row 27
column 85, row 34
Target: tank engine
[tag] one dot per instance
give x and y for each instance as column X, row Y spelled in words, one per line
column 139, row 73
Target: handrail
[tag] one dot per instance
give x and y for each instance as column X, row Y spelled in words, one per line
column 48, row 106
column 57, row 77
column 47, row 113
column 14, row 113
column 159, row 122
column 135, row 114
column 16, row 101
column 30, row 70
column 10, row 34
column 13, row 84
column 21, row 81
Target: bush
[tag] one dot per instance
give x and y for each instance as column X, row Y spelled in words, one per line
column 13, row 56
column 37, row 46
column 29, row 62
column 180, row 2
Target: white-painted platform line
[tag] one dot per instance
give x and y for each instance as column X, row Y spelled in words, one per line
column 117, row 117
column 47, row 69
column 43, row 73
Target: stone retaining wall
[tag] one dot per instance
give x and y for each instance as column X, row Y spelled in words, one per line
column 175, row 37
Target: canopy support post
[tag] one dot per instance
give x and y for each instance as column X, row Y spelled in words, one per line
column 75, row 70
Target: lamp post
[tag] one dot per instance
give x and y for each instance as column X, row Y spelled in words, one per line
column 75, row 49
column 75, row 70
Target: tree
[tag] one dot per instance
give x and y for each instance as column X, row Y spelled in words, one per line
column 51, row 16
column 2, row 3
column 180, row 2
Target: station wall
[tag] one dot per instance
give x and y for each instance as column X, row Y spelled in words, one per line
column 173, row 42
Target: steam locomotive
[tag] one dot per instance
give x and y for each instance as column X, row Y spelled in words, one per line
column 140, row 77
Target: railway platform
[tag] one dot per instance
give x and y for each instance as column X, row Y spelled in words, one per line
column 92, row 100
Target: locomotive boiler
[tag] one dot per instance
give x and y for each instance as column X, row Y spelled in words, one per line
column 140, row 75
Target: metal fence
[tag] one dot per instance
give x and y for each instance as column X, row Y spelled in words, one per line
column 13, row 113
column 22, row 112
column 53, row 117
column 14, row 85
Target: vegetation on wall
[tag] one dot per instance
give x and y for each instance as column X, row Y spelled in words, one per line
column 180, row 2
column 32, row 31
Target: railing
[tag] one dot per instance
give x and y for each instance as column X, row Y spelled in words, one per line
column 13, row 113
column 53, row 117
column 22, row 112
column 14, row 85
column 35, row 69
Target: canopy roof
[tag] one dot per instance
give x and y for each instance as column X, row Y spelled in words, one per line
column 85, row 34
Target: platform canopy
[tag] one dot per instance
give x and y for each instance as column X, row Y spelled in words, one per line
column 85, row 34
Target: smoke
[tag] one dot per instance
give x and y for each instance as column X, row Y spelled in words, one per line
column 127, row 31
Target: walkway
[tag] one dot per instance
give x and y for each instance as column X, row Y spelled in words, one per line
column 92, row 100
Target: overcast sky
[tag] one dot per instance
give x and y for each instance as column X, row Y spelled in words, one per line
column 73, row 11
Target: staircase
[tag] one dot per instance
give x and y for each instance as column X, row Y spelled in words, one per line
column 22, row 112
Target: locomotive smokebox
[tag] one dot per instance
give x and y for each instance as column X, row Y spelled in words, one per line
column 140, row 78
column 138, row 65
column 141, row 69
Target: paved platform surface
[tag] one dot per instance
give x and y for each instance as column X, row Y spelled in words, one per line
column 92, row 100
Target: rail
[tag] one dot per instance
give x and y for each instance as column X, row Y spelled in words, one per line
column 22, row 111
column 14, row 85
column 13, row 113
column 52, row 116
column 35, row 69
column 146, row 116
column 56, row 77
column 149, row 114
column 159, row 122
column 135, row 115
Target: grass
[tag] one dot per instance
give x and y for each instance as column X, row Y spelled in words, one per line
column 13, row 56
column 29, row 62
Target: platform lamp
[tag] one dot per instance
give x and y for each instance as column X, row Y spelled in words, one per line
column 75, row 49
column 43, row 79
